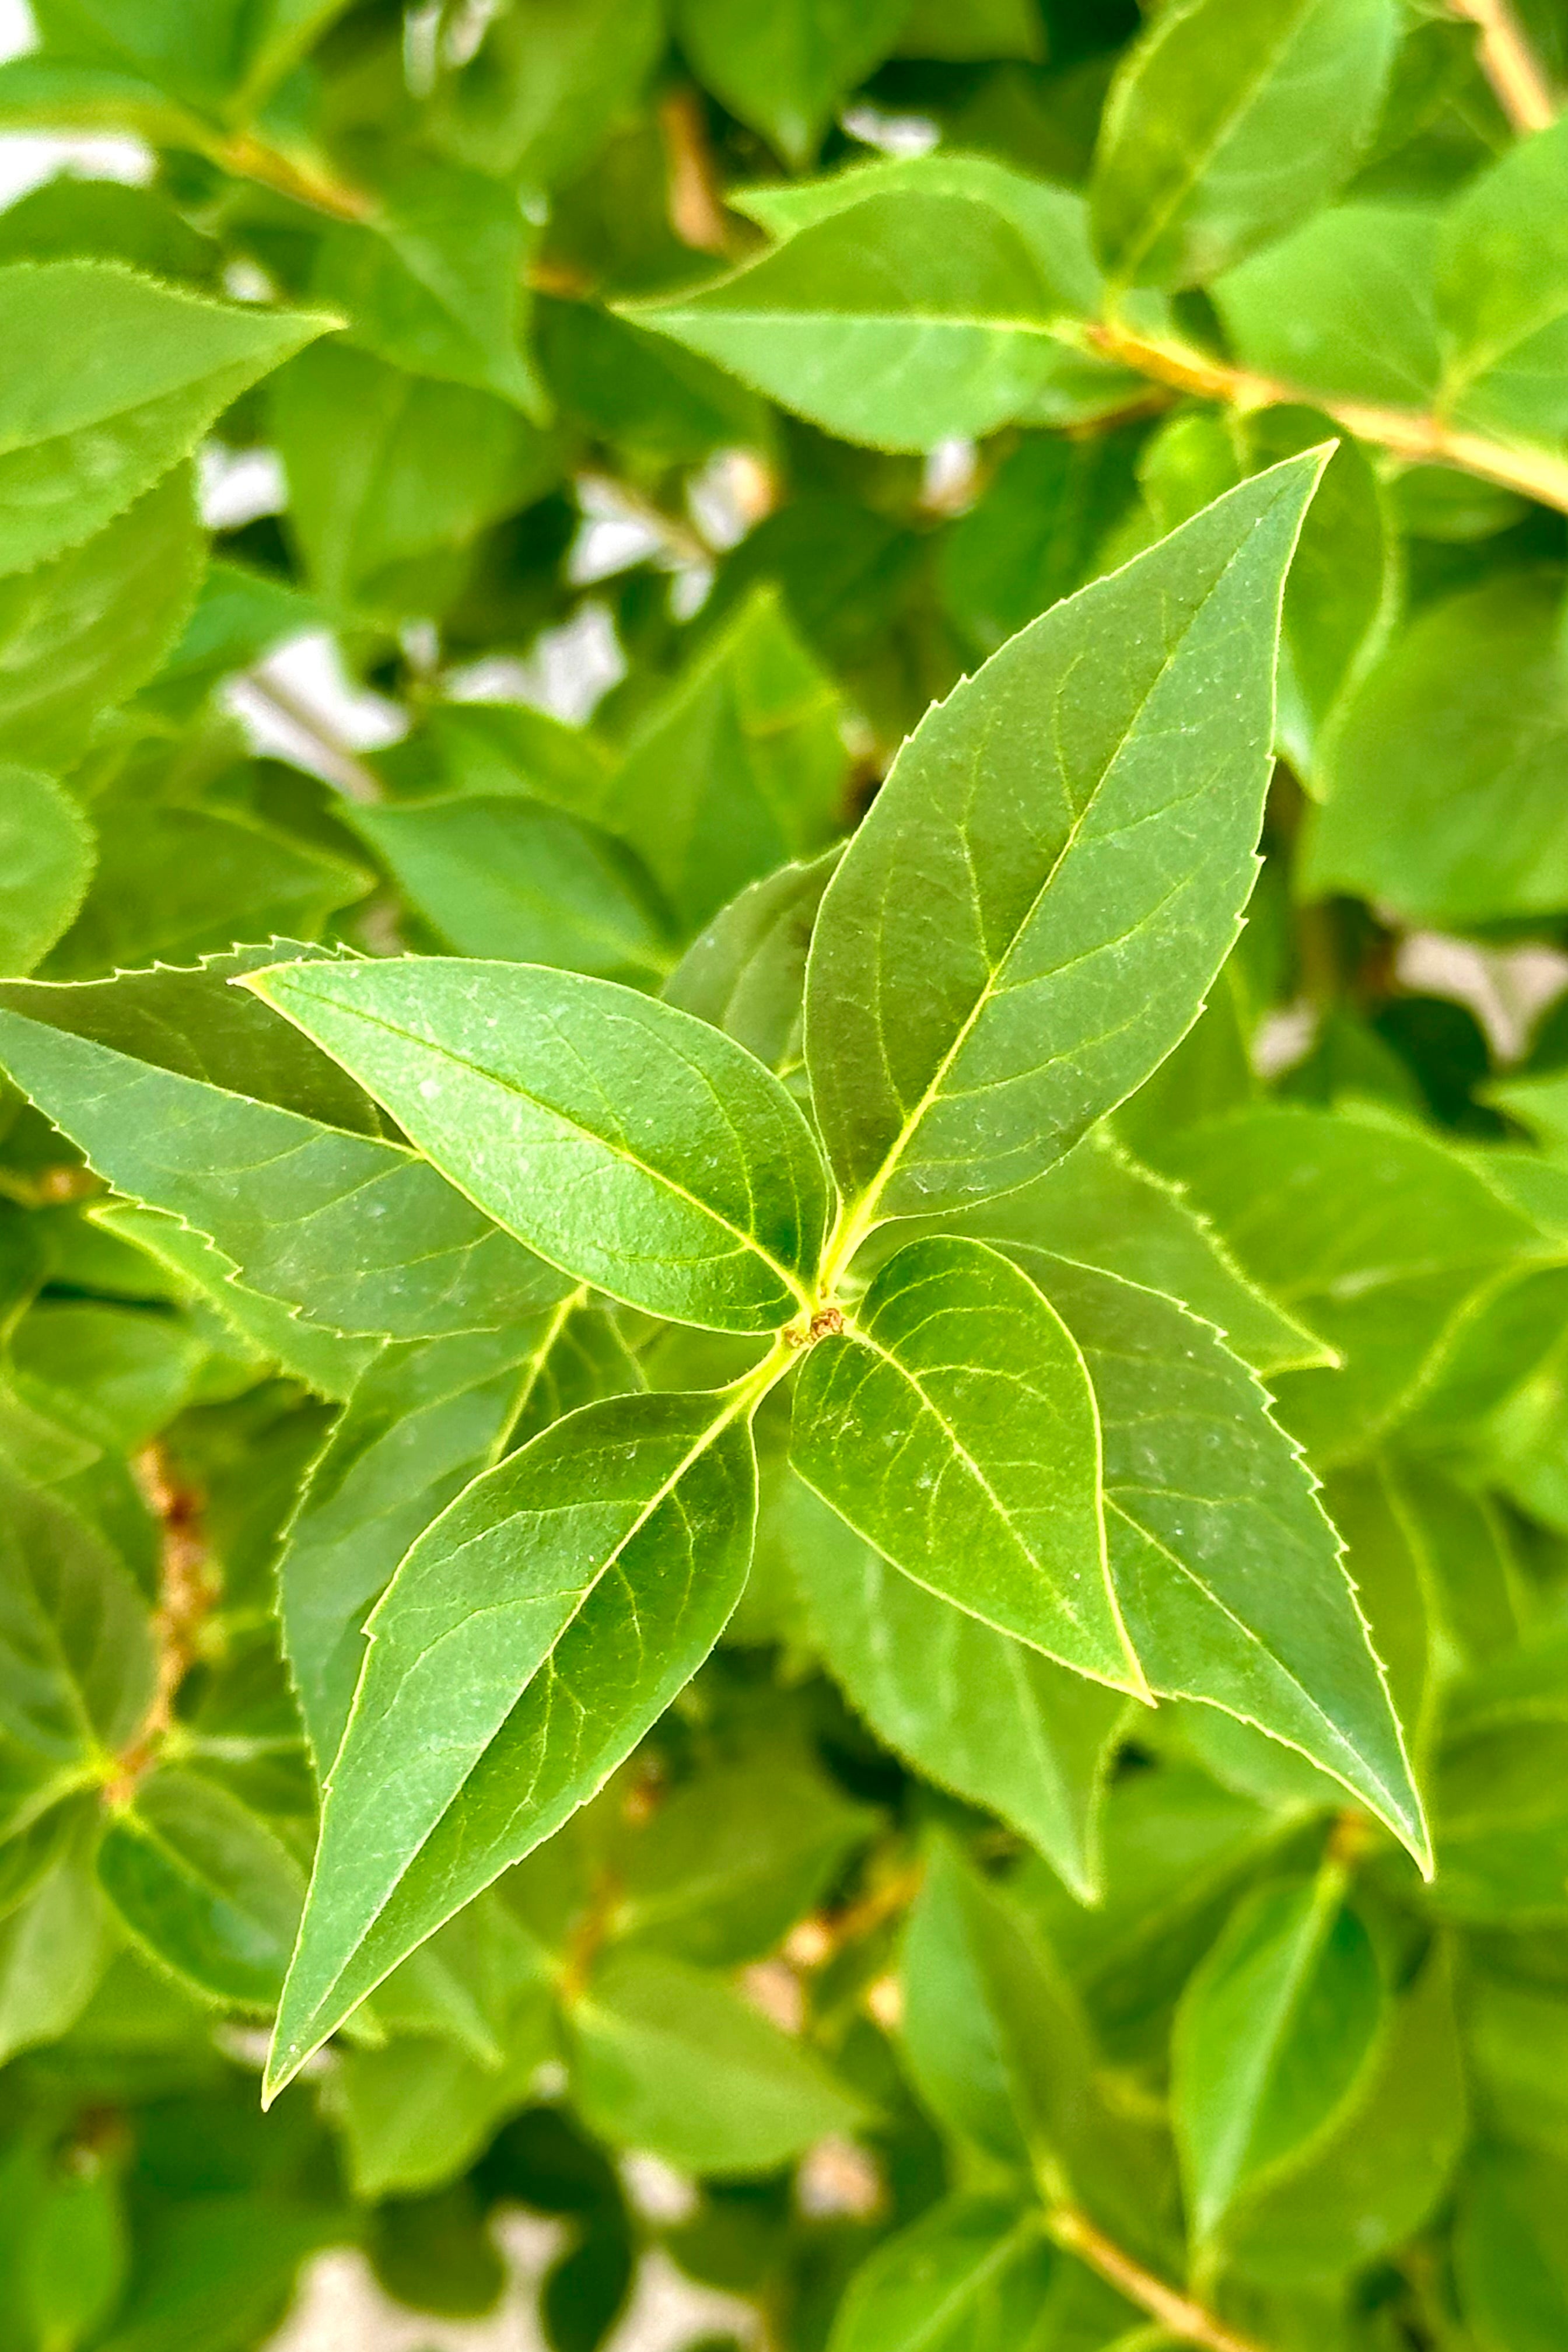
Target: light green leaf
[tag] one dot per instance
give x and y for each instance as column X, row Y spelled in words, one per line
column 1512, row 2269
column 52, row 1955
column 1502, row 294
column 47, row 854
column 184, row 1097
column 1083, row 812
column 513, row 879
column 667, row 2058
column 971, row 2275
column 497, row 749
column 76, row 1665
column 1321, row 1207
column 86, row 630
column 418, row 2113
column 1038, row 532
column 1441, row 787
column 392, row 475
column 1230, row 122
column 951, row 1424
column 1344, row 309
column 205, row 1887
column 1376, row 2177
column 1100, row 1207
column 1270, row 2035
column 632, row 1145
column 904, row 319
column 174, row 883
column 977, row 1712
column 324, row 1359
column 116, row 1373
column 1227, row 1573
column 739, row 767
column 731, row 1859
column 544, row 1622
column 746, row 971
column 546, row 85
column 111, row 379
column 428, row 1417
column 1178, row 1849
column 435, row 282
column 785, row 68
column 999, row 2048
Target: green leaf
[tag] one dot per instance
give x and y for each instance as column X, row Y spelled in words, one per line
column 999, row 2047
column 621, row 1536
column 731, row 1859
column 1270, row 2035
column 739, row 767
column 324, row 1359
column 1101, row 1208
column 1516, row 2041
column 1441, row 784
column 1502, row 294
column 1227, row 1570
column 1089, row 801
column 118, row 1373
column 971, row 2275
column 392, row 475
column 1230, row 122
column 1178, row 1849
column 1321, row 1208
column 1371, row 2182
column 435, row 282
column 416, row 2114
column 113, row 378
column 1344, row 309
column 973, row 1709
column 982, row 29
column 428, row 1417
column 497, row 749
column 545, row 86
column 908, row 318
column 47, row 854
column 745, row 973
column 1512, row 2272
column 205, row 1887
column 218, row 2270
column 51, row 1957
column 187, row 1096
column 632, row 1145
column 176, row 883
column 86, row 630
column 667, row 2058
column 1040, row 530
column 951, row 1424
column 784, row 69
column 77, row 1666
column 515, row 880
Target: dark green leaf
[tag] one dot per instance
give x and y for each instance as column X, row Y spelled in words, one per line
column 784, row 69
column 206, row 1888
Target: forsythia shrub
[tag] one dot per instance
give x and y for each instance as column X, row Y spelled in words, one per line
column 726, row 1434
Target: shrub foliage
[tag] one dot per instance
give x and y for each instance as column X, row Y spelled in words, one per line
column 816, row 1427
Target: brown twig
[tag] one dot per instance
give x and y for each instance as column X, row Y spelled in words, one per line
column 1516, row 74
column 185, row 1595
column 696, row 199
column 824, row 1934
column 1407, row 432
column 338, row 763
column 1191, row 2322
